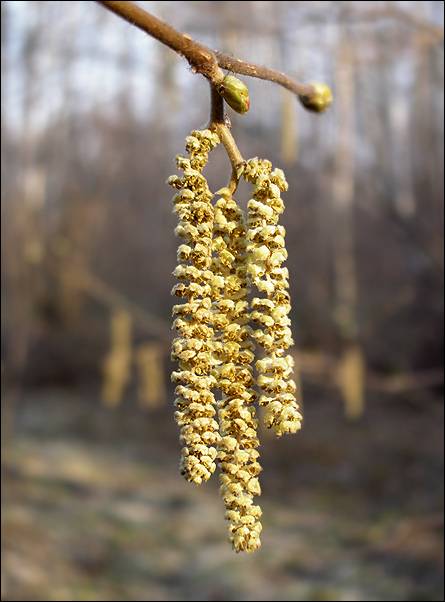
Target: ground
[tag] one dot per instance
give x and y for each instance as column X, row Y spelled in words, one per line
column 94, row 507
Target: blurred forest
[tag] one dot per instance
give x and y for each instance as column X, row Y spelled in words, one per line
column 93, row 113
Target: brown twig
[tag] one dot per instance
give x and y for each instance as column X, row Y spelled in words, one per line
column 221, row 124
column 217, row 115
column 259, row 71
column 202, row 59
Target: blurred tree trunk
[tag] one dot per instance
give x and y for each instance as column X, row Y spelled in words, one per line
column 351, row 367
column 289, row 137
column 166, row 82
column 427, row 133
column 22, row 231
column 343, row 199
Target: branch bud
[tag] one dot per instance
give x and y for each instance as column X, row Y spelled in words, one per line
column 235, row 93
column 319, row 100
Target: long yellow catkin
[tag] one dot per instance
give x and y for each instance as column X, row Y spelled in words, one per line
column 238, row 453
column 266, row 253
column 193, row 347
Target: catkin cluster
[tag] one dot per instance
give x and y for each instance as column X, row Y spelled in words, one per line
column 224, row 257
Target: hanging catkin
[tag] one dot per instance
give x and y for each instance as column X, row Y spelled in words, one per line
column 238, row 453
column 218, row 328
column 193, row 347
column 266, row 253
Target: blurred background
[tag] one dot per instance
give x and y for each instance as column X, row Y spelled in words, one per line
column 93, row 114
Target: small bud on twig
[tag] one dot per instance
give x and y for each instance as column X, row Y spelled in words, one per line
column 235, row 93
column 319, row 100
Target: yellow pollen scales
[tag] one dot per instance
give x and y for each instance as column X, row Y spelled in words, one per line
column 222, row 256
column 266, row 253
column 238, row 453
column 193, row 347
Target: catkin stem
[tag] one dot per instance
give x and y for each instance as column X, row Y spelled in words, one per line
column 233, row 152
column 221, row 125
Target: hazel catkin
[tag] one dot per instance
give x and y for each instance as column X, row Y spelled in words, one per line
column 193, row 347
column 266, row 253
column 238, row 455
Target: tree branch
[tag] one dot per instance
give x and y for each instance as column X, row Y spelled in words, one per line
column 277, row 77
column 201, row 59
column 205, row 61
